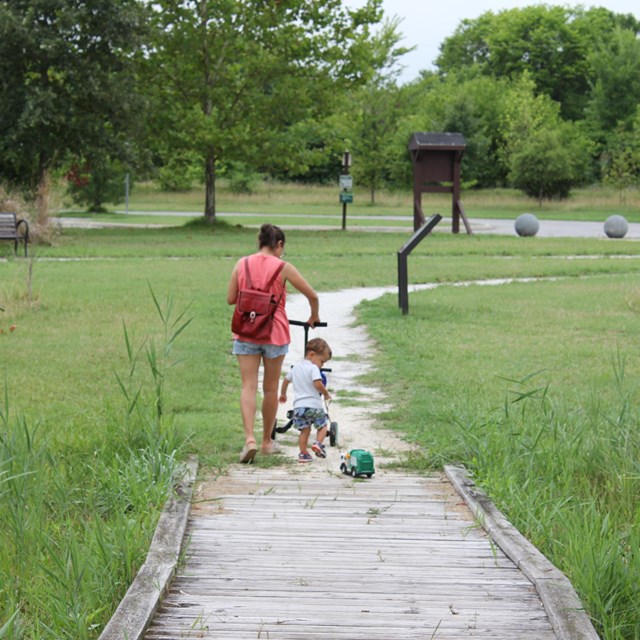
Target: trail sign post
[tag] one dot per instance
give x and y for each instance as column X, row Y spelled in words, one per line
column 346, row 182
column 346, row 187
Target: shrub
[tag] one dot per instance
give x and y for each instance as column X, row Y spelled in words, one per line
column 95, row 182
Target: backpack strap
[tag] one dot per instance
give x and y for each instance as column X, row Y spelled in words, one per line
column 271, row 280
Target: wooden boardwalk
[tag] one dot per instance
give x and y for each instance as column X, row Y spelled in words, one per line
column 305, row 554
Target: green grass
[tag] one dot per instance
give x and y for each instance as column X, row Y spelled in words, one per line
column 532, row 386
column 319, row 205
column 79, row 495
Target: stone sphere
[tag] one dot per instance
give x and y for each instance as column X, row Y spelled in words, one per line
column 616, row 227
column 527, row 225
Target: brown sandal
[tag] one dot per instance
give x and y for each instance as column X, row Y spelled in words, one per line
column 248, row 453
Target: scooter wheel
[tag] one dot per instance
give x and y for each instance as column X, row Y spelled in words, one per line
column 333, row 434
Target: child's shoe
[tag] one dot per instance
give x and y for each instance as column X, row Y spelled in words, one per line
column 305, row 457
column 319, row 450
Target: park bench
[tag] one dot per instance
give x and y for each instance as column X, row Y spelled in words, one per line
column 13, row 228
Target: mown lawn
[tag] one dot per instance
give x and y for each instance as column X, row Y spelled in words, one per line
column 319, row 205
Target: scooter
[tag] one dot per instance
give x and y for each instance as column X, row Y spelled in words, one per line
column 333, row 426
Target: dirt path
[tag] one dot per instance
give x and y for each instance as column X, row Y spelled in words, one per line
column 355, row 406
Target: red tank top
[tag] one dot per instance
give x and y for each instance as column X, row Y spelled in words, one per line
column 262, row 267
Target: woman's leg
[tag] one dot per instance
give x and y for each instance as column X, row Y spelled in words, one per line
column 270, row 387
column 249, row 367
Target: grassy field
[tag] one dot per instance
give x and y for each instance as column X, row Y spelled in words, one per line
column 318, row 205
column 533, row 386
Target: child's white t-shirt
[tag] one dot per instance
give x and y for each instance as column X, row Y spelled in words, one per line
column 302, row 376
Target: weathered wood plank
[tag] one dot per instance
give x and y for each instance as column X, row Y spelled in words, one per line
column 271, row 556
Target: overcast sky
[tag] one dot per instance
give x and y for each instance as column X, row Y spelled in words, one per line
column 426, row 23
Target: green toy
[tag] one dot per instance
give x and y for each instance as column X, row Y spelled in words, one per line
column 357, row 462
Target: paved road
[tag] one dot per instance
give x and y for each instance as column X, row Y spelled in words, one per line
column 551, row 228
column 548, row 228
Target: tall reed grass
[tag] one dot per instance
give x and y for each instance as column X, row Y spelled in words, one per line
column 569, row 478
column 76, row 519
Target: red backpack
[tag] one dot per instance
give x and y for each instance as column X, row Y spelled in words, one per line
column 253, row 316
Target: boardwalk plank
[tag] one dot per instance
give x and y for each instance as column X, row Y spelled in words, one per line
column 291, row 558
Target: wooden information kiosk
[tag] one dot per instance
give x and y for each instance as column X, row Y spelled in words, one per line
column 436, row 160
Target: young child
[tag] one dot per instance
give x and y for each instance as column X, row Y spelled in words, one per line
column 309, row 389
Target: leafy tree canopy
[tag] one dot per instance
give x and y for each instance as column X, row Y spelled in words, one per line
column 66, row 83
column 545, row 155
column 551, row 43
column 237, row 72
column 615, row 82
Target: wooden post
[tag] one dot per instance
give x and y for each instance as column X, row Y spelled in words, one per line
column 403, row 254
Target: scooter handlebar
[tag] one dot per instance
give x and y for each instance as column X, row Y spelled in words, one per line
column 300, row 323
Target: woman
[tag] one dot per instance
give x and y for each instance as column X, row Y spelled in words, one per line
column 262, row 265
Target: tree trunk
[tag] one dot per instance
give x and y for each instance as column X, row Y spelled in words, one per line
column 207, row 110
column 210, row 189
column 373, row 195
column 43, row 191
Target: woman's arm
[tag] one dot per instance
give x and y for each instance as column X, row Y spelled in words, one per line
column 291, row 274
column 232, row 290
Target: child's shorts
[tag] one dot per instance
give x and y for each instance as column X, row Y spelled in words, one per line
column 305, row 417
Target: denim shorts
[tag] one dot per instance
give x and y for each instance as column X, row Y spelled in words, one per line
column 269, row 351
column 306, row 417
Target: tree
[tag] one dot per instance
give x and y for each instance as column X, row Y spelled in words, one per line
column 96, row 182
column 363, row 121
column 621, row 159
column 615, row 82
column 551, row 43
column 544, row 166
column 66, row 83
column 310, row 151
column 374, row 113
column 468, row 46
column 230, row 75
column 524, row 114
column 546, row 156
column 374, row 119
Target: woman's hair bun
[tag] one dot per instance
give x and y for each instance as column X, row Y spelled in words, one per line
column 270, row 235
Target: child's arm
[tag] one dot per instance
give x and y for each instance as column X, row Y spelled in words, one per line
column 322, row 390
column 283, row 391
